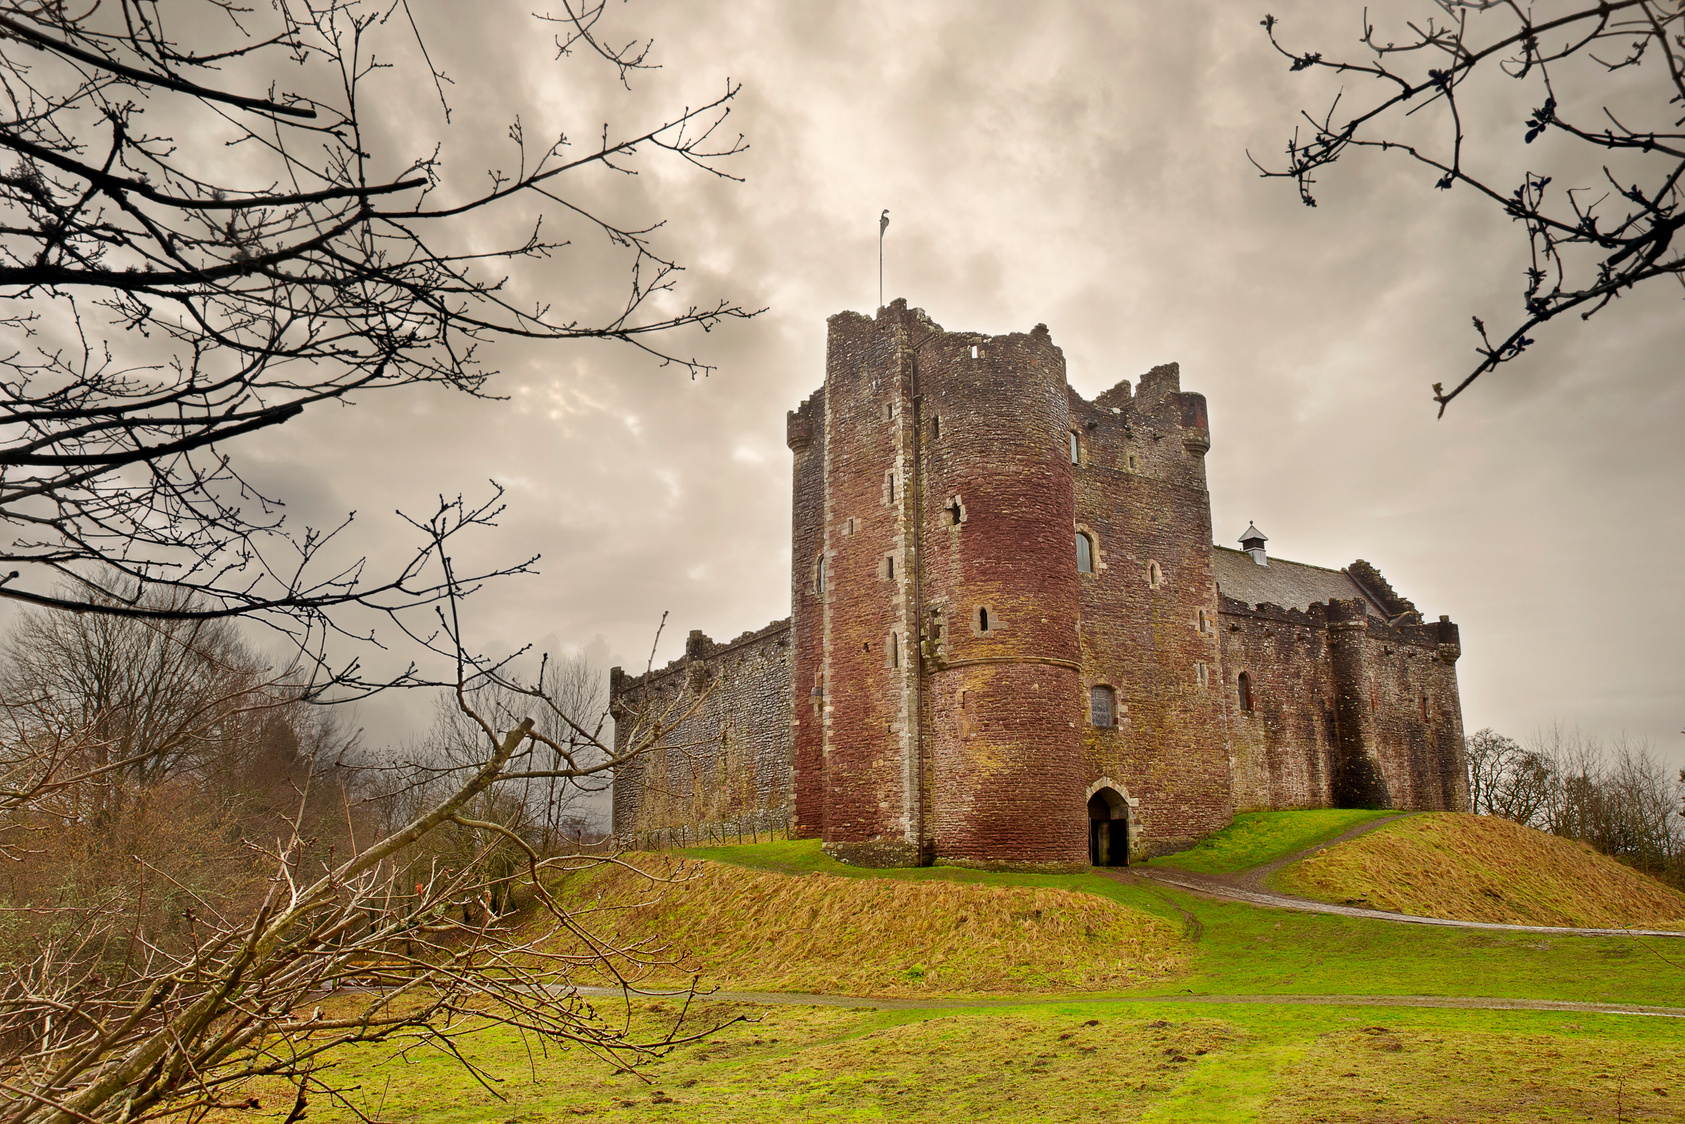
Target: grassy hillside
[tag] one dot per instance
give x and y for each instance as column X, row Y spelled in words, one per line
column 749, row 929
column 1481, row 868
column 1256, row 838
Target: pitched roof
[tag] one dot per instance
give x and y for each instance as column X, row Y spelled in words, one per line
column 1292, row 585
column 1252, row 532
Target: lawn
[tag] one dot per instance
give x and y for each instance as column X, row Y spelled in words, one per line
column 1067, row 1061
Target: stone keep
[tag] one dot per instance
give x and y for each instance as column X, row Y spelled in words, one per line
column 1012, row 642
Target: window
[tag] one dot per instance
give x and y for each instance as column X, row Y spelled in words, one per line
column 956, row 513
column 1155, row 576
column 887, row 570
column 1205, row 628
column 1202, row 675
column 819, row 575
column 894, row 650
column 1243, row 686
column 1076, row 449
column 1424, row 709
column 982, row 618
column 1133, row 467
column 1085, row 554
column 1102, row 703
column 889, row 487
column 935, row 427
column 976, row 352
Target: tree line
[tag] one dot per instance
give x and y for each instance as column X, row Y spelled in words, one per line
column 1614, row 795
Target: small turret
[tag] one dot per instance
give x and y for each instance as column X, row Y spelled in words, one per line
column 1253, row 543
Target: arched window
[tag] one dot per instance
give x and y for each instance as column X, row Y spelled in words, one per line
column 1155, row 575
column 982, row 618
column 1243, row 687
column 1085, row 554
column 1102, row 705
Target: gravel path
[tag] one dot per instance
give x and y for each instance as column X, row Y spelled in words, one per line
column 1474, row 1003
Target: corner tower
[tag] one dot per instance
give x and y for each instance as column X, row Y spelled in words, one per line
column 937, row 680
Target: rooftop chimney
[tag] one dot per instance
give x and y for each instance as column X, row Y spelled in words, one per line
column 1253, row 543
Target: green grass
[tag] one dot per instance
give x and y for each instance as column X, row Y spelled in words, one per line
column 1074, row 1061
column 1256, row 838
column 1245, row 950
column 1160, row 1058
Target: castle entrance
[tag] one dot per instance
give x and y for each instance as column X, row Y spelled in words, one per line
column 1108, row 829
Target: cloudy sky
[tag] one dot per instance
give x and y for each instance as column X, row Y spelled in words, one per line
column 1078, row 164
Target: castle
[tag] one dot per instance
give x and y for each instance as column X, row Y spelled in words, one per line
column 1012, row 642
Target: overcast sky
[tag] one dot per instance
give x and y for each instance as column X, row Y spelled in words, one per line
column 1082, row 165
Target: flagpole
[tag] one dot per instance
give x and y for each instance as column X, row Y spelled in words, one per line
column 883, row 225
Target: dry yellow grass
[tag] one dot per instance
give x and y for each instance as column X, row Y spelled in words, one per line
column 745, row 929
column 1482, row 868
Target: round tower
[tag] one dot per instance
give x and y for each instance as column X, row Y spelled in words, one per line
column 998, row 600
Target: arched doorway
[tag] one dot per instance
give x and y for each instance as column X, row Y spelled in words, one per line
column 1108, row 829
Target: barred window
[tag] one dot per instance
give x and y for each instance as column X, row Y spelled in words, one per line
column 1102, row 704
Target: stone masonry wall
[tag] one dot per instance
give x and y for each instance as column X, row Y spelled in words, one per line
column 1149, row 610
column 804, row 432
column 729, row 760
column 1287, row 750
column 999, row 601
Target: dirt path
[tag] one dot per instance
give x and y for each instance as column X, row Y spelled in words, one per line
column 1473, row 1003
column 1249, row 886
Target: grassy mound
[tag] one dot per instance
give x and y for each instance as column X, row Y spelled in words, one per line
column 1482, row 868
column 1255, row 838
column 757, row 930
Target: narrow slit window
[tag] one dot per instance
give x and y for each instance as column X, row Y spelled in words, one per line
column 894, row 650
column 956, row 514
column 1076, row 449
column 982, row 619
column 1243, row 687
column 1102, row 705
column 975, row 351
column 889, row 566
column 889, row 486
column 819, row 575
column 935, row 427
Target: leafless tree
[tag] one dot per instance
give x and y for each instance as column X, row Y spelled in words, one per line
column 1505, row 778
column 112, row 1020
column 1607, row 83
column 202, row 237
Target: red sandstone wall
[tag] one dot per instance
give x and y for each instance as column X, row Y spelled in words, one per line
column 1149, row 612
column 1001, row 704
column 872, row 787
column 729, row 761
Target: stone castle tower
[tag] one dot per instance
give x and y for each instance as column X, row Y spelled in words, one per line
column 1012, row 642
